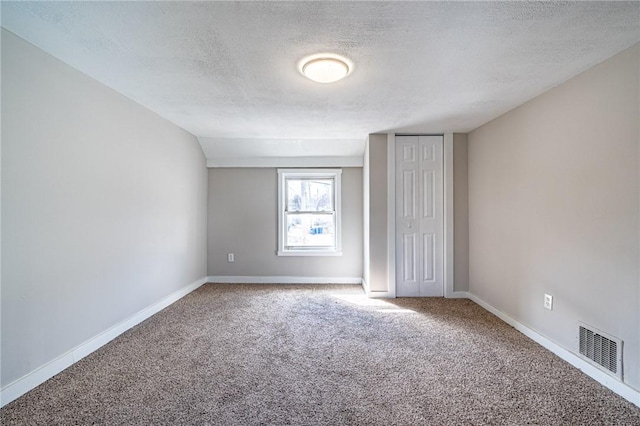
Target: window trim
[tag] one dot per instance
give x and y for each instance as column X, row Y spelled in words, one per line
column 283, row 175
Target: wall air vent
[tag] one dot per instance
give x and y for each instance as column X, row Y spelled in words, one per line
column 600, row 349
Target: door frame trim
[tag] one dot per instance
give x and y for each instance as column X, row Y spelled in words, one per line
column 448, row 270
column 448, row 215
column 391, row 213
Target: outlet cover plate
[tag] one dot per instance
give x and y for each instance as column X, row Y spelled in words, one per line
column 548, row 301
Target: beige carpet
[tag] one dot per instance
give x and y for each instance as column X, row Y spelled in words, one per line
column 320, row 355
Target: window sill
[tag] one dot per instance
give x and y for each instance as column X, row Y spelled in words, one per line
column 309, row 253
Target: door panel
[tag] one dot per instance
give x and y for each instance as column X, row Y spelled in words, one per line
column 409, row 194
column 428, row 195
column 408, row 152
column 419, row 234
column 429, row 260
column 409, row 254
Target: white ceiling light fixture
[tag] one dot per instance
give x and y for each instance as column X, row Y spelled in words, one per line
column 325, row 67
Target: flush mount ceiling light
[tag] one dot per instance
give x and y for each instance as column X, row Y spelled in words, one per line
column 325, row 67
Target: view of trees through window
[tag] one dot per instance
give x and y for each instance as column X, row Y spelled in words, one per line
column 310, row 213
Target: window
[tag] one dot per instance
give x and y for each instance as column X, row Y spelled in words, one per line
column 309, row 212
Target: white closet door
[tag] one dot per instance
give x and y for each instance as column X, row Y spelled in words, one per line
column 419, row 216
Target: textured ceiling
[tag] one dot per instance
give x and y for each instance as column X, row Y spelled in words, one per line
column 226, row 71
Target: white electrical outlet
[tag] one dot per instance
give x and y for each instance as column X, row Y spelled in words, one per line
column 548, row 301
column 230, row 257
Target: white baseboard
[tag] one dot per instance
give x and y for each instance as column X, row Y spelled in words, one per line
column 391, row 295
column 29, row 381
column 627, row 392
column 365, row 286
column 373, row 294
column 381, row 295
column 283, row 280
column 376, row 294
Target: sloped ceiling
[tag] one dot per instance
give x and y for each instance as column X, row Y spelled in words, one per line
column 226, row 71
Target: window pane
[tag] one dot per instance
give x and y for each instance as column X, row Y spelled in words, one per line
column 310, row 195
column 310, row 230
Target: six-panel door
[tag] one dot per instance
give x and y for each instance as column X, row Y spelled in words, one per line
column 419, row 216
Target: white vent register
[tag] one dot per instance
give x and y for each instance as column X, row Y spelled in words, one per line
column 600, row 349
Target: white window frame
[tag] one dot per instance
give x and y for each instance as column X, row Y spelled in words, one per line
column 283, row 175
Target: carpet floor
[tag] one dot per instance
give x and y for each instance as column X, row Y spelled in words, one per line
column 320, row 355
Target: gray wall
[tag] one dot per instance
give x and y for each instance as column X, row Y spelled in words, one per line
column 103, row 208
column 243, row 219
column 460, row 213
column 375, row 198
column 553, row 207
